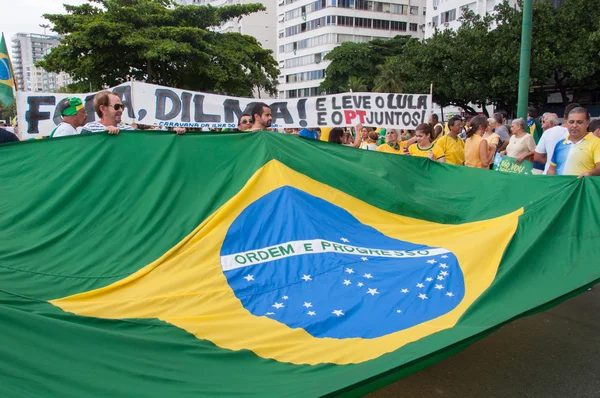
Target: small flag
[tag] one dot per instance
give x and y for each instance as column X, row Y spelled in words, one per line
column 6, row 76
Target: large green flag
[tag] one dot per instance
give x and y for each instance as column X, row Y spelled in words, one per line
column 6, row 76
column 260, row 264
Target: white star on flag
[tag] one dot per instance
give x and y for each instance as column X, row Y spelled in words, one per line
column 372, row 292
column 306, row 278
column 368, row 276
column 423, row 296
column 398, row 311
column 404, row 291
column 312, row 313
column 360, row 284
column 444, row 273
column 420, row 285
column 439, row 287
column 285, row 297
column 443, row 266
column 270, row 313
column 450, row 294
column 429, row 279
column 349, row 270
column 364, row 259
column 440, row 278
column 344, row 240
column 347, row 282
column 432, row 261
column 307, row 305
column 278, row 305
column 444, row 256
column 337, row 312
column 249, row 277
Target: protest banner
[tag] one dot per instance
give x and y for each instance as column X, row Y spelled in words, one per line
column 170, row 107
column 510, row 165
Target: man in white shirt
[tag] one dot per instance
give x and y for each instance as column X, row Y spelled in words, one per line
column 545, row 147
column 73, row 114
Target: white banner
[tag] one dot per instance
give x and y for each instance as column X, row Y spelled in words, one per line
column 169, row 107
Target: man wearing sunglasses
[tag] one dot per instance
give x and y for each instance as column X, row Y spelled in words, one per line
column 109, row 109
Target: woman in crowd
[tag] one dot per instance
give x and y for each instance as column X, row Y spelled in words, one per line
column 492, row 139
column 392, row 145
column 521, row 144
column 476, row 148
column 370, row 143
column 424, row 146
column 336, row 135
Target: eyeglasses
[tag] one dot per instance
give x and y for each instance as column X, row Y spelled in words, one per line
column 245, row 121
column 116, row 107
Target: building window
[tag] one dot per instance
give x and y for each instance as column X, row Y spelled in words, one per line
column 413, row 27
column 414, row 10
column 448, row 16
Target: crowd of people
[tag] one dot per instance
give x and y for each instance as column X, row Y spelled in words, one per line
column 572, row 148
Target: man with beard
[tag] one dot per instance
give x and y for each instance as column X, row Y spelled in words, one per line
column 261, row 115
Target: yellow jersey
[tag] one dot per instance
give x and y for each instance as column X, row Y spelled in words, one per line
column 452, row 148
column 416, row 150
column 386, row 148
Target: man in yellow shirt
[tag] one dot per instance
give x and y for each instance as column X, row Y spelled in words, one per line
column 579, row 153
column 450, row 144
column 391, row 143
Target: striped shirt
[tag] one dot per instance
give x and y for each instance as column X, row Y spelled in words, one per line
column 95, row 127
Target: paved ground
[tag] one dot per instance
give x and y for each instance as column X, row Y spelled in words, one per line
column 552, row 354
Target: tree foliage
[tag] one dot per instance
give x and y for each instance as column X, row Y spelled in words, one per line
column 479, row 62
column 359, row 60
column 107, row 42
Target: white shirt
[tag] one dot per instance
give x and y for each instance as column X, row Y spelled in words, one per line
column 63, row 130
column 548, row 142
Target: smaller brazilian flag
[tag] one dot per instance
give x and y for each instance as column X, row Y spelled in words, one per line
column 6, row 76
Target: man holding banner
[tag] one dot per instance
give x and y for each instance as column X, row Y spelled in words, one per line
column 73, row 114
column 109, row 109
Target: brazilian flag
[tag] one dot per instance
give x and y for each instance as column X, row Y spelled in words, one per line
column 6, row 76
column 260, row 264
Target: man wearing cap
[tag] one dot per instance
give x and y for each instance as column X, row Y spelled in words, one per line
column 73, row 114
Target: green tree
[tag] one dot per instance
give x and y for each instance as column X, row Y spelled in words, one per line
column 359, row 60
column 8, row 112
column 387, row 79
column 356, row 84
column 108, row 42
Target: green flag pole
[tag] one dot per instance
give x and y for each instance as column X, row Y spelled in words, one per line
column 523, row 99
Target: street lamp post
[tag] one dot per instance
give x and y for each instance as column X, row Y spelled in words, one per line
column 525, row 63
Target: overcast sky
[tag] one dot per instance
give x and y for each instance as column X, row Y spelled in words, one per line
column 25, row 16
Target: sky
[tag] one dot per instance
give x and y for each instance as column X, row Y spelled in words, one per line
column 25, row 16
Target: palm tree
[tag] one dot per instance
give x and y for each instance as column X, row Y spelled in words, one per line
column 387, row 80
column 356, row 84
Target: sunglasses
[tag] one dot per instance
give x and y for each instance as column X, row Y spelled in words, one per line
column 245, row 121
column 116, row 107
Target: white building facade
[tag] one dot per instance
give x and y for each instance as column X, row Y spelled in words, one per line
column 29, row 48
column 307, row 30
column 444, row 14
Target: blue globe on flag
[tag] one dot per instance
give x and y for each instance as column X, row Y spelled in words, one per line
column 307, row 263
column 5, row 73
